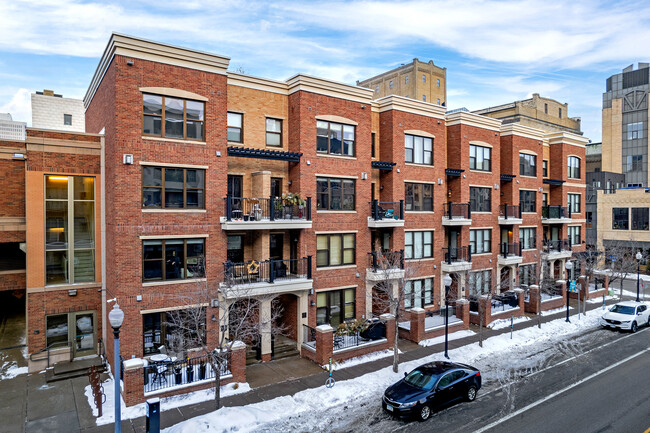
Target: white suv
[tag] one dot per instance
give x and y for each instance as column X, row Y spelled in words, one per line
column 627, row 315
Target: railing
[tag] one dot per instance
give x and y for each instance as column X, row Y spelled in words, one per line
column 47, row 350
column 267, row 271
column 265, row 209
column 508, row 299
column 386, row 260
column 557, row 245
column 381, row 210
column 345, row 341
column 511, row 249
column 549, row 212
column 457, row 211
column 510, row 211
column 457, row 254
column 168, row 374
column 309, row 336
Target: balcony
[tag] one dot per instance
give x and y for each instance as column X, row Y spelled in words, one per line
column 265, row 214
column 457, row 259
column 510, row 254
column 509, row 214
column 387, row 265
column 557, row 249
column 457, row 214
column 556, row 214
column 266, row 277
column 386, row 214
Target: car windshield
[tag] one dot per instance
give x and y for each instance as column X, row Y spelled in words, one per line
column 421, row 379
column 622, row 309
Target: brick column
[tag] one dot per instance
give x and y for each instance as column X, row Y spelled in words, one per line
column 238, row 361
column 563, row 287
column 416, row 333
column 606, row 283
column 486, row 308
column 462, row 311
column 533, row 300
column 133, row 390
column 520, row 299
column 324, row 344
column 389, row 320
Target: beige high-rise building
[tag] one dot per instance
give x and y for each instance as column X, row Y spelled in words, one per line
column 417, row 80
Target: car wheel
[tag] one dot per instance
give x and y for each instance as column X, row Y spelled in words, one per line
column 634, row 327
column 648, row 320
column 425, row 412
column 471, row 393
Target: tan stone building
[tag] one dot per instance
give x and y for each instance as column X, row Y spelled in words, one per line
column 624, row 218
column 537, row 112
column 417, row 80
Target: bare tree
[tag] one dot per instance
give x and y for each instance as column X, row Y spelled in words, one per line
column 622, row 262
column 547, row 286
column 481, row 297
column 588, row 263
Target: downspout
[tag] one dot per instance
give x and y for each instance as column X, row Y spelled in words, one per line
column 103, row 231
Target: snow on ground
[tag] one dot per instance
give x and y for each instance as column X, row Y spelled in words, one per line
column 360, row 359
column 555, row 311
column 453, row 336
column 108, row 408
column 9, row 370
column 318, row 403
column 505, row 323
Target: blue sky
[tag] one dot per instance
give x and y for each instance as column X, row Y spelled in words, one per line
column 494, row 51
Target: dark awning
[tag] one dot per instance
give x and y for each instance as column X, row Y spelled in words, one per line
column 383, row 165
column 453, row 172
column 553, row 182
column 507, row 177
column 245, row 152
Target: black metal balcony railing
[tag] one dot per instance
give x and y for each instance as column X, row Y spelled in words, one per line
column 267, row 271
column 386, row 260
column 457, row 210
column 457, row 254
column 509, row 211
column 167, row 374
column 556, row 245
column 510, row 249
column 266, row 209
column 549, row 212
column 309, row 335
column 381, row 210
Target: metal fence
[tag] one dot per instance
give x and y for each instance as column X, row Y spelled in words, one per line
column 373, row 332
column 510, row 249
column 168, row 374
column 457, row 210
column 386, row 260
column 309, row 336
column 557, row 245
column 457, row 254
column 267, row 271
column 265, row 209
column 509, row 211
column 387, row 210
column 556, row 212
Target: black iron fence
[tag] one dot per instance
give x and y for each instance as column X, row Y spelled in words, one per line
column 457, row 254
column 506, row 300
column 168, row 374
column 386, row 260
column 309, row 335
column 266, row 209
column 549, row 212
column 374, row 331
column 390, row 210
column 510, row 249
column 457, row 210
column 556, row 245
column 509, row 211
column 267, row 271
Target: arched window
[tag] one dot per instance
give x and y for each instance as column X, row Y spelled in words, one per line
column 573, row 163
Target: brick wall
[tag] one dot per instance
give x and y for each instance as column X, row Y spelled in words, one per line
column 12, row 280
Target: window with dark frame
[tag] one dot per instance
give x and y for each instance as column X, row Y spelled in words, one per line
column 235, row 127
column 334, row 307
column 620, row 218
column 157, row 331
column 172, row 188
column 574, row 203
column 480, row 158
column 528, row 238
column 372, row 141
column 56, row 330
column 173, row 259
column 480, row 199
column 544, row 168
column 273, row 132
column 573, row 163
column 527, row 164
column 335, row 138
column 640, row 218
column 480, row 282
column 574, row 235
column 67, row 119
column 418, row 197
column 528, row 274
column 480, row 241
column 336, row 249
column 276, row 187
column 528, row 200
column 418, row 293
column 335, row 194
column 418, row 150
column 418, row 245
column 168, row 117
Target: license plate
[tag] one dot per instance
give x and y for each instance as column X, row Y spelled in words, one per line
column 389, row 407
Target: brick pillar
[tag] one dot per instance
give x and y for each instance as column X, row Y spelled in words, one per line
column 486, row 308
column 534, row 306
column 563, row 287
column 462, row 311
column 324, row 344
column 520, row 300
column 133, row 390
column 583, row 288
column 238, row 361
column 389, row 320
column 416, row 333
column 606, row 282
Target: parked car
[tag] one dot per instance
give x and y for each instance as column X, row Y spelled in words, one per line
column 628, row 315
column 429, row 387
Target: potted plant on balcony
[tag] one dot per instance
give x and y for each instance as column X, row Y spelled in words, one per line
column 178, row 374
column 189, row 371
column 289, row 200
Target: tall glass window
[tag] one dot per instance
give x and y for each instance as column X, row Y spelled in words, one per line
column 480, row 241
column 480, row 199
column 418, row 293
column 480, row 158
column 418, row 150
column 639, row 218
column 573, row 163
column 527, row 164
column 620, row 218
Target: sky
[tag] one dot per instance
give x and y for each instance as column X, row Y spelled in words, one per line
column 494, row 51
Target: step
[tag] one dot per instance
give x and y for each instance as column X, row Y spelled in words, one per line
column 69, row 370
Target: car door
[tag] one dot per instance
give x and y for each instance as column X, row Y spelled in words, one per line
column 444, row 392
column 643, row 316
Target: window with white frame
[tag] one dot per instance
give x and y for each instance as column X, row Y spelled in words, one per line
column 418, row 245
column 574, row 203
column 273, row 132
column 480, row 241
column 528, row 238
column 235, row 127
column 480, row 282
column 574, row 235
column 418, row 293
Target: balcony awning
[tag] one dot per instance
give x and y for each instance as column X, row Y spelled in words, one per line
column 553, row 182
column 507, row 177
column 245, row 152
column 383, row 165
column 453, row 172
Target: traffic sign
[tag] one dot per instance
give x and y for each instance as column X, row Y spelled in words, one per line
column 572, row 287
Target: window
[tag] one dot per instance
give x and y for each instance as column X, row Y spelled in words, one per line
column 276, row 187
column 235, row 127
column 173, row 259
column 480, row 241
column 528, row 274
column 574, row 235
column 172, row 188
column 559, row 113
column 620, row 218
column 527, row 201
column 528, row 238
column 544, row 199
column 376, row 89
column 419, row 197
column 169, row 117
column 418, row 150
column 390, row 84
column 418, row 245
column 56, row 334
column 639, row 218
column 480, row 199
column 424, row 98
column 159, row 329
column 424, row 78
column 480, row 282
column 418, row 293
column 573, row 163
column 273, row 132
column 69, row 229
column 545, row 108
column 527, row 164
column 635, row 163
column 406, row 79
column 335, row 306
column 634, row 130
column 373, row 143
column 335, row 138
column 574, row 203
column 335, row 194
column 67, row 119
column 438, row 83
column 545, row 168
column 335, row 249
column 480, row 158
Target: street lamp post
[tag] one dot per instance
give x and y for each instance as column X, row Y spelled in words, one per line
column 639, row 256
column 447, row 282
column 116, row 317
column 569, row 266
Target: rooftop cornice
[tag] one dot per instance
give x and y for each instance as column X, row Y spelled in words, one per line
column 322, row 86
column 257, row 83
column 562, row 137
column 471, row 119
column 400, row 103
column 522, row 131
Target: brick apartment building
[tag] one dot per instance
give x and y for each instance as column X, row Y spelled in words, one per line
column 184, row 166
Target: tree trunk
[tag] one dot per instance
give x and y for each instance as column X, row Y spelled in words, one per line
column 620, row 294
column 480, row 323
column 217, row 385
column 539, row 309
column 395, row 348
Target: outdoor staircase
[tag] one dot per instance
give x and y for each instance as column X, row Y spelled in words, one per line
column 283, row 348
column 70, row 369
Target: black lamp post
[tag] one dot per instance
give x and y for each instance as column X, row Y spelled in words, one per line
column 116, row 317
column 639, row 256
column 447, row 282
column 569, row 266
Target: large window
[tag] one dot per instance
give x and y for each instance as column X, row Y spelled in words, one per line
column 235, row 127
column 574, row 235
column 335, row 249
column 273, row 132
column 418, row 150
column 169, row 117
column 335, row 138
column 418, row 245
column 335, row 306
column 528, row 201
column 418, row 197
column 69, row 229
column 573, row 164
column 574, row 203
column 480, row 241
column 480, row 158
column 634, row 163
column 173, row 259
column 172, row 188
column 620, row 218
column 528, row 274
column 639, row 218
column 480, row 282
column 160, row 329
column 480, row 199
column 335, row 194
column 418, row 293
column 544, row 168
column 634, row 131
column 56, row 334
column 528, row 238
column 527, row 164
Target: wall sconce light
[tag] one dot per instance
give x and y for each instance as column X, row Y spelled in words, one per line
column 311, row 292
column 72, row 292
column 289, row 183
column 363, row 107
column 398, row 170
column 381, row 188
column 138, row 298
column 129, row 62
column 357, row 275
column 364, row 175
column 308, row 162
column 541, row 189
column 464, row 176
column 312, row 303
column 214, row 303
column 439, row 181
column 496, row 186
column 218, row 154
column 19, row 156
column 214, row 318
column 127, row 158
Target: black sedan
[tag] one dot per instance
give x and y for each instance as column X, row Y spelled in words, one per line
column 431, row 386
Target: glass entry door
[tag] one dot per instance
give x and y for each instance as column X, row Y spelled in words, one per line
column 84, row 328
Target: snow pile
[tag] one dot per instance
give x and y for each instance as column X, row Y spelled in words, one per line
column 9, row 370
column 452, row 336
column 363, row 359
column 505, row 323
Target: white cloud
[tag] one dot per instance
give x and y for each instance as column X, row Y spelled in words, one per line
column 20, row 106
